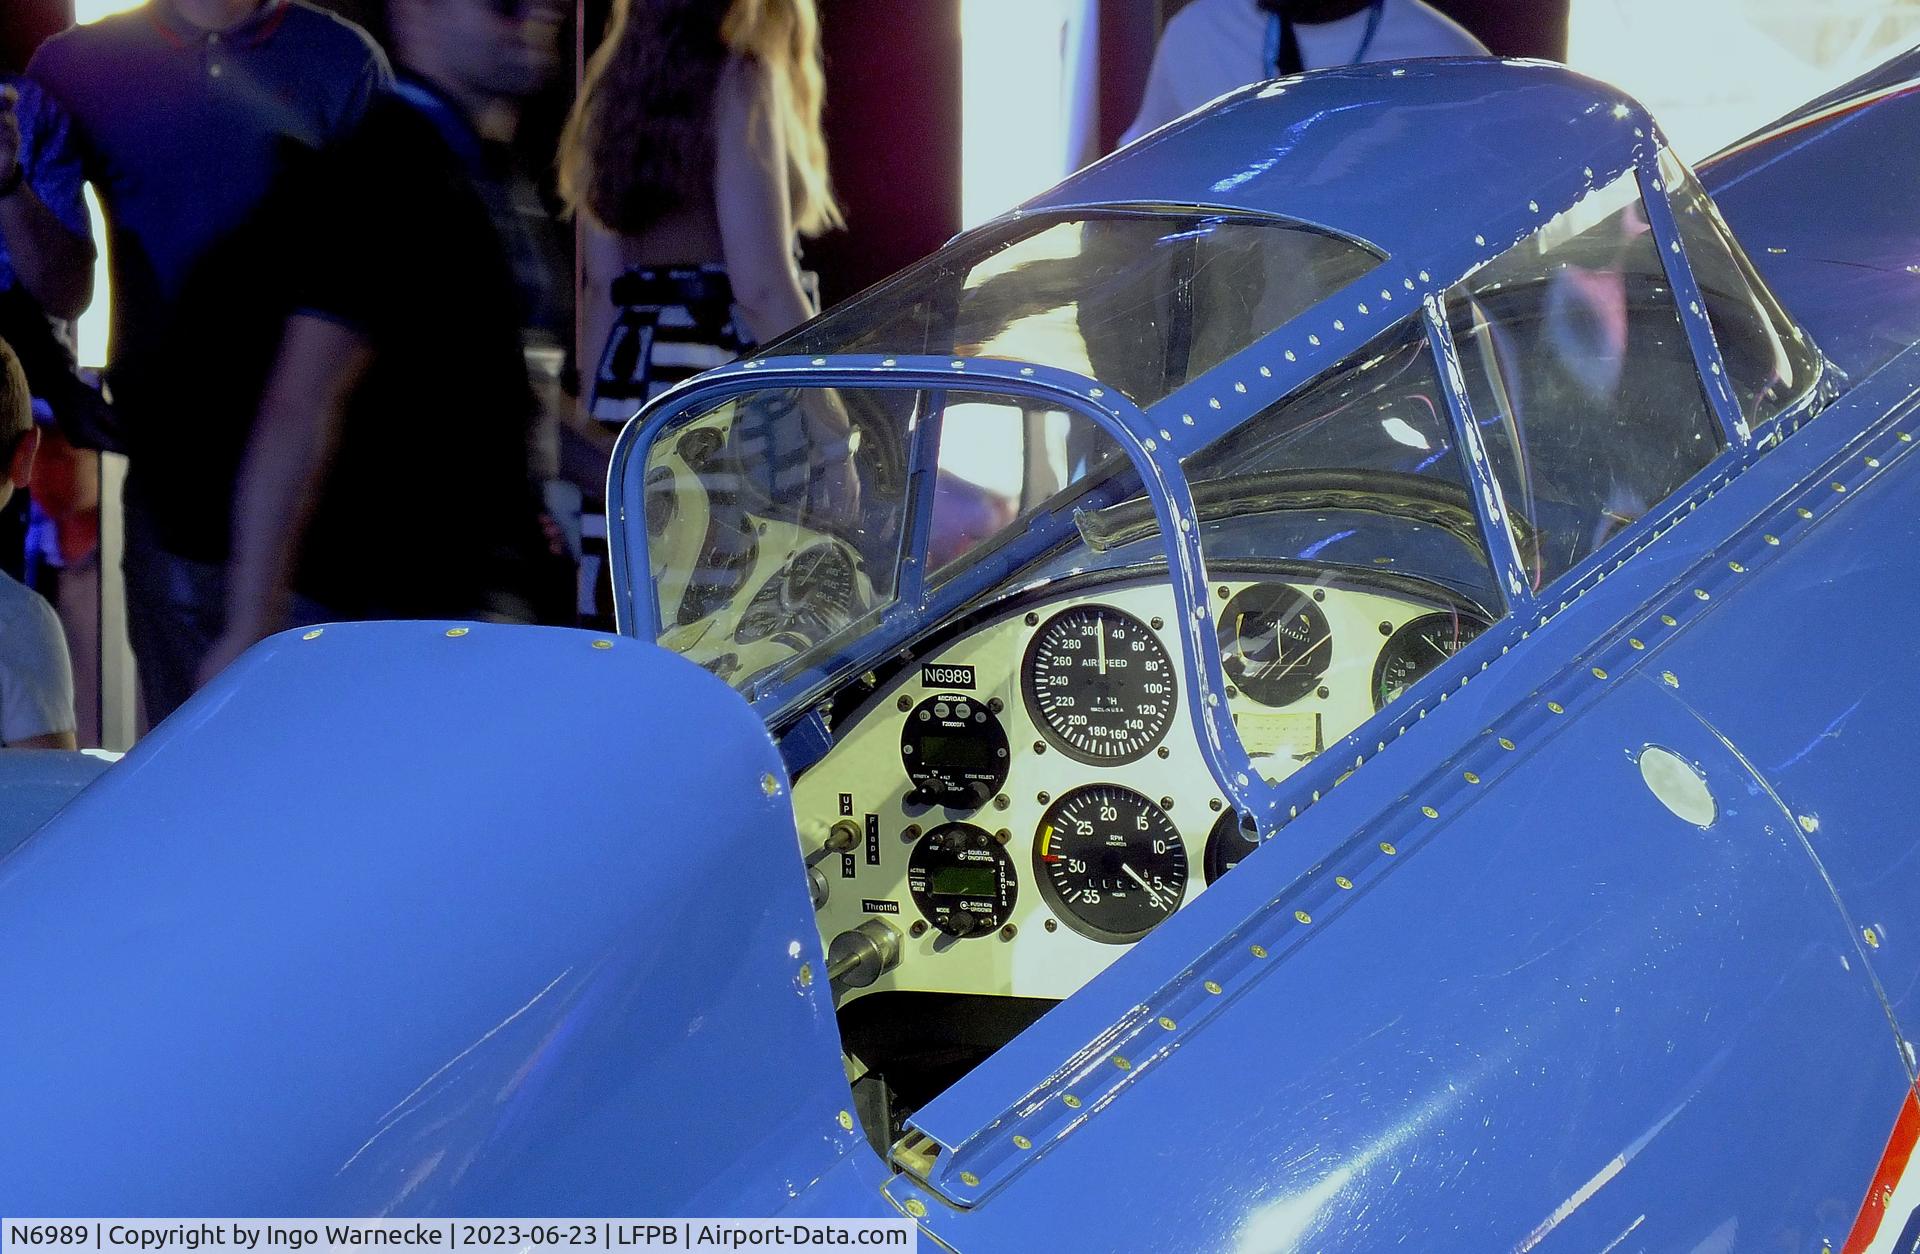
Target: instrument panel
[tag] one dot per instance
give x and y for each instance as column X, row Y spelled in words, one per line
column 1030, row 800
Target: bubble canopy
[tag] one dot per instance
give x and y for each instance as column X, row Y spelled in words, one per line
column 1151, row 385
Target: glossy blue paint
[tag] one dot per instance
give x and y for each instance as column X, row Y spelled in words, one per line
column 337, row 940
column 332, row 941
column 1575, row 894
column 34, row 784
column 1824, row 213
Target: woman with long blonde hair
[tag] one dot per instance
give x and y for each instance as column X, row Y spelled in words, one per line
column 693, row 156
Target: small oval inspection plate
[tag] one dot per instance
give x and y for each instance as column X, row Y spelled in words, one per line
column 1678, row 786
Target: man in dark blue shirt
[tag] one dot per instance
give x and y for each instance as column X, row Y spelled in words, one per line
column 186, row 112
column 388, row 473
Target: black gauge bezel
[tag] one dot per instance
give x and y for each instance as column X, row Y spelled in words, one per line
column 1298, row 680
column 939, row 845
column 941, row 785
column 1158, row 726
column 1065, row 910
column 1395, row 642
column 1227, row 839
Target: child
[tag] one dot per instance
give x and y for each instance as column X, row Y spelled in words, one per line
column 36, row 678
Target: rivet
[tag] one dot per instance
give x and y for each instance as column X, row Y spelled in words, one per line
column 1804, row 512
column 1809, row 824
column 1670, row 679
column 846, row 1121
column 1871, row 937
column 1598, row 673
column 818, row 361
column 1534, row 206
column 1290, row 356
column 889, row 362
column 1837, row 486
column 1073, row 1103
column 1151, row 445
column 1122, row 1063
column 1314, row 340
column 769, row 785
column 1702, row 594
column 1470, row 777
column 1339, row 325
column 1213, row 402
column 1187, row 419
column 957, row 364
column 916, row 1208
column 1165, row 434
column 1212, row 986
column 1873, row 461
column 1096, row 393
column 1773, row 540
column 1906, row 437
column 455, row 633
column 1240, row 387
column 315, row 634
column 1430, row 812
column 1736, row 568
column 1481, row 240
column 1505, row 743
column 1425, row 277
column 1266, row 372
column 1021, row 1142
column 1386, row 847
column 969, row 1179
column 1027, row 370
column 1556, row 707
column 1407, row 283
column 1166, row 1023
column 603, row 644
column 1636, row 642
column 1669, row 620
column 1343, row 881
column 1258, row 951
column 804, row 977
column 1302, row 916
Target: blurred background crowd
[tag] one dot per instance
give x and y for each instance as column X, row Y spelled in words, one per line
column 324, row 311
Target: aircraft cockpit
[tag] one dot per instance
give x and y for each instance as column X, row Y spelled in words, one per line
column 1071, row 564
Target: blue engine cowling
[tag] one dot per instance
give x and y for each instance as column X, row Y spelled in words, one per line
column 403, row 919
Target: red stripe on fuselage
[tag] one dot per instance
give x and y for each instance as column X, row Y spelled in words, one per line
column 1893, row 1164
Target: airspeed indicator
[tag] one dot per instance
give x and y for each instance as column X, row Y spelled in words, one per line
column 1099, row 684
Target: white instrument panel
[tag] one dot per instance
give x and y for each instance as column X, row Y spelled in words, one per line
column 1039, row 950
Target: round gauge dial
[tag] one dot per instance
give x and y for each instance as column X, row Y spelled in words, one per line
column 810, row 597
column 1416, row 648
column 1227, row 843
column 955, row 751
column 962, row 880
column 1109, row 862
column 1275, row 644
column 1098, row 682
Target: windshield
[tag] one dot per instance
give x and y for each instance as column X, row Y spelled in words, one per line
column 1142, row 302
column 781, row 521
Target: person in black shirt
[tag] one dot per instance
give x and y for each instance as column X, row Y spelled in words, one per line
column 387, row 475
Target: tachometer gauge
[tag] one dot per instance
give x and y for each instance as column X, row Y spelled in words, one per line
column 962, row 880
column 1275, row 643
column 1098, row 682
column 811, row 596
column 1416, row 648
column 1110, row 863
